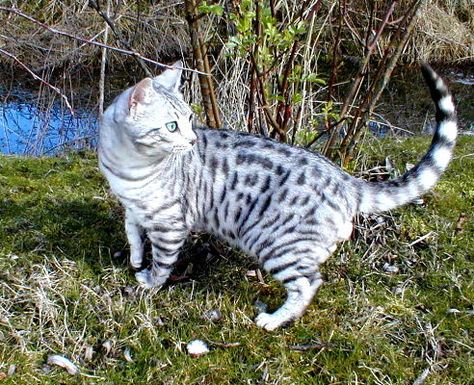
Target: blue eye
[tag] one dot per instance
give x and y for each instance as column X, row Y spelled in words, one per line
column 172, row 126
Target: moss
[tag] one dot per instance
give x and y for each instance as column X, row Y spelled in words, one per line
column 65, row 285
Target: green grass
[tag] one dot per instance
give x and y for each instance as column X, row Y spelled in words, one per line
column 65, row 286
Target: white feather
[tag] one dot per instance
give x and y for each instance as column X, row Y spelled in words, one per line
column 197, row 348
column 63, row 362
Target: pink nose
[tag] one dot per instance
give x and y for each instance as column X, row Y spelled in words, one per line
column 193, row 141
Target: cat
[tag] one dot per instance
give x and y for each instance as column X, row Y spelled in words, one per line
column 284, row 205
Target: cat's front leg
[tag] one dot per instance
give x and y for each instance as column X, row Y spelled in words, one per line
column 165, row 251
column 136, row 239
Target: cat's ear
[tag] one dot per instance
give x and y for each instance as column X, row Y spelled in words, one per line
column 140, row 94
column 170, row 79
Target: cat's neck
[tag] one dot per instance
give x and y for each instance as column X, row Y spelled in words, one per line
column 122, row 161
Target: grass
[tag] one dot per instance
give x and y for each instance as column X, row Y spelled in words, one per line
column 65, row 288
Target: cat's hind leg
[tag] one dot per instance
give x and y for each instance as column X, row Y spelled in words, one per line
column 136, row 239
column 299, row 274
column 300, row 292
column 165, row 251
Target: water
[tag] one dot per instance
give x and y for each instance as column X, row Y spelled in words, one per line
column 29, row 126
column 33, row 125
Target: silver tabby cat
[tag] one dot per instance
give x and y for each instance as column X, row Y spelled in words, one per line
column 284, row 205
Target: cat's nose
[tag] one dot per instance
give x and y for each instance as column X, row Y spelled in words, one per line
column 193, row 141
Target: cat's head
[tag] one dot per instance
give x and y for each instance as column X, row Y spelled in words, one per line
column 154, row 116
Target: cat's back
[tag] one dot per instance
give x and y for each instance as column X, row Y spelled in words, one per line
column 253, row 182
column 242, row 152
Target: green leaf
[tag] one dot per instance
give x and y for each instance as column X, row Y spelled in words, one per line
column 214, row 9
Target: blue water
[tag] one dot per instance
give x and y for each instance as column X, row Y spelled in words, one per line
column 29, row 128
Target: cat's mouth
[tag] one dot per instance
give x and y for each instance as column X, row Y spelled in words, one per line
column 181, row 148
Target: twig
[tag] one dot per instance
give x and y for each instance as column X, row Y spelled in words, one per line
column 102, row 65
column 67, row 143
column 306, row 347
column 422, row 377
column 95, row 5
column 200, row 57
column 382, row 26
column 420, row 239
column 25, row 67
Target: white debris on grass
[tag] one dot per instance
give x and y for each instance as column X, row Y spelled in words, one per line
column 89, row 352
column 212, row 315
column 391, row 269
column 107, row 345
column 197, row 348
column 128, row 355
column 63, row 362
column 11, row 370
column 453, row 311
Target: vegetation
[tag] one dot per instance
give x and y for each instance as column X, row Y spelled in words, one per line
column 397, row 303
column 314, row 69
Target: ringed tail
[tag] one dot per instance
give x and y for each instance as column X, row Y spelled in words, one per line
column 381, row 196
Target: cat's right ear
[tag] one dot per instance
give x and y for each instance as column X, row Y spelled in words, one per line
column 140, row 94
column 170, row 78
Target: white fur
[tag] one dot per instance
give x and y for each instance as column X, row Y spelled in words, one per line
column 428, row 179
column 446, row 104
column 442, row 156
column 440, row 84
column 344, row 232
column 449, row 130
column 388, row 201
column 412, row 191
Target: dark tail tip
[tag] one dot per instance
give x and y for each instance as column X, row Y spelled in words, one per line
column 438, row 90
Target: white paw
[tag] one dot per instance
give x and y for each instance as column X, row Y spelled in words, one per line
column 136, row 261
column 146, row 280
column 268, row 321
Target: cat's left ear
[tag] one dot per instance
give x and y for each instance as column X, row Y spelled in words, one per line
column 170, row 79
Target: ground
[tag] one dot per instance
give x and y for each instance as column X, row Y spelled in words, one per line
column 397, row 303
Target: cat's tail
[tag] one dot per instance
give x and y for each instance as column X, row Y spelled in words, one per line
column 381, row 196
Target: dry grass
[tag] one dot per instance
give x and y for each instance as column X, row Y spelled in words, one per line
column 157, row 31
column 444, row 32
column 66, row 289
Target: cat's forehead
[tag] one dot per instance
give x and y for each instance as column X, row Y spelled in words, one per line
column 172, row 101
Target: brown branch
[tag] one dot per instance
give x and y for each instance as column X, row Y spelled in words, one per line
column 25, row 67
column 361, row 74
column 263, row 102
column 403, row 33
column 382, row 26
column 103, row 62
column 202, row 63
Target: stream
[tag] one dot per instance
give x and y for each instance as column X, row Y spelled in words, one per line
column 32, row 126
column 29, row 126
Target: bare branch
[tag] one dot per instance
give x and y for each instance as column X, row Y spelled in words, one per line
column 127, row 52
column 105, row 15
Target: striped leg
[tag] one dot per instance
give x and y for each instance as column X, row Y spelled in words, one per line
column 136, row 239
column 295, row 263
column 165, row 250
column 300, row 293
